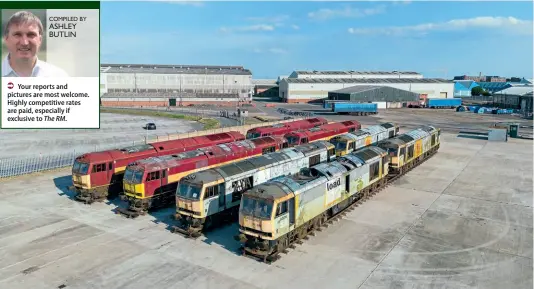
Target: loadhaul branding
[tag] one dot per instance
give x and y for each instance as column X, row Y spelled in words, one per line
column 333, row 185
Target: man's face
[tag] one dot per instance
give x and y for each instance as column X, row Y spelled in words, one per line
column 23, row 41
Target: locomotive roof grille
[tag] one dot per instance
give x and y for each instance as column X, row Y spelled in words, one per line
column 330, row 170
column 366, row 154
column 353, row 159
column 375, row 129
column 417, row 134
column 428, row 128
column 387, row 125
column 136, row 148
column 406, row 138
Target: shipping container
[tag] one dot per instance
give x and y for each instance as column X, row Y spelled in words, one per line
column 443, row 102
column 355, row 108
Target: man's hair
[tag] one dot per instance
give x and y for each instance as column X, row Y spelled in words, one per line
column 23, row 17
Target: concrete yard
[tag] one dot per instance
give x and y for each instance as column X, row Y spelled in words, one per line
column 115, row 130
column 463, row 219
column 447, row 119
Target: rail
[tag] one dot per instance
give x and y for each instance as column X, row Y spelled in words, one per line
column 11, row 167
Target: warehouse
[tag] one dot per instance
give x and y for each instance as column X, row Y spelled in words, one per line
column 518, row 97
column 174, row 85
column 383, row 96
column 302, row 90
column 353, row 74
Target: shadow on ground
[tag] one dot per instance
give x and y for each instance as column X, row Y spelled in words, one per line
column 221, row 235
column 63, row 183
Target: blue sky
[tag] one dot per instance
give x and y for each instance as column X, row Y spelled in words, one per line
column 438, row 39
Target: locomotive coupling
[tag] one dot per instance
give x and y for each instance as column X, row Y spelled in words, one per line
column 240, row 238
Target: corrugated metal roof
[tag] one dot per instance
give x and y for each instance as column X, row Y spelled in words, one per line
column 349, row 72
column 494, row 85
column 357, row 88
column 516, row 90
column 174, row 69
column 367, row 80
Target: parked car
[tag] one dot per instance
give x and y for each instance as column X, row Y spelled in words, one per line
column 150, row 126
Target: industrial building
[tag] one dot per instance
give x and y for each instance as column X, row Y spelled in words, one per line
column 517, row 97
column 265, row 87
column 383, row 96
column 174, row 85
column 316, row 74
column 312, row 89
column 463, row 88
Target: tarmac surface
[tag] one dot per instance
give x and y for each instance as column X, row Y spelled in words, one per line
column 115, row 130
column 447, row 119
column 462, row 219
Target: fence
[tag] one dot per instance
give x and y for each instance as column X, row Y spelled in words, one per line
column 19, row 166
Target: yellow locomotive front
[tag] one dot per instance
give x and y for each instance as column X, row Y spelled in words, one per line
column 256, row 225
column 133, row 185
column 81, row 179
column 197, row 201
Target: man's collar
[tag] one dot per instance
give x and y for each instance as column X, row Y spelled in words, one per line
column 7, row 69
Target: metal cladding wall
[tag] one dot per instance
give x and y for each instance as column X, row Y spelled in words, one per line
column 382, row 94
column 306, row 92
column 176, row 79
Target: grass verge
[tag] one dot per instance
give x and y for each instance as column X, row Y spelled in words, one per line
column 209, row 123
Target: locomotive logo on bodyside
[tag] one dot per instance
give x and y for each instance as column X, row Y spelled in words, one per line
column 333, row 185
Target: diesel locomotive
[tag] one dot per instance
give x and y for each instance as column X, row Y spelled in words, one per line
column 282, row 211
column 284, row 128
column 203, row 210
column 348, row 142
column 97, row 175
column 151, row 183
column 211, row 197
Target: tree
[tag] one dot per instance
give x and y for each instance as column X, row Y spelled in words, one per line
column 476, row 91
column 485, row 93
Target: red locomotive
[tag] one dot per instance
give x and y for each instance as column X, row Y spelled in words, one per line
column 283, row 128
column 99, row 174
column 151, row 183
column 323, row 132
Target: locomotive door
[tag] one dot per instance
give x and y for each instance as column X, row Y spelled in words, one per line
column 163, row 188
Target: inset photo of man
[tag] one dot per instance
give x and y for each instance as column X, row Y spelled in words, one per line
column 24, row 47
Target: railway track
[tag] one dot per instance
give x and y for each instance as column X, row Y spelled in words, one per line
column 366, row 195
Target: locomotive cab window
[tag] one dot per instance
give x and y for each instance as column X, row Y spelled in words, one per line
column 281, row 208
column 163, row 174
column 403, row 151
column 304, row 140
column 211, row 192
column 351, row 145
column 152, row 176
column 352, row 129
column 99, row 168
column 268, row 150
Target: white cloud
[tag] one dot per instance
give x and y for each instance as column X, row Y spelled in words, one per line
column 510, row 24
column 270, row 50
column 274, row 20
column 346, row 12
column 296, row 27
column 259, row 27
